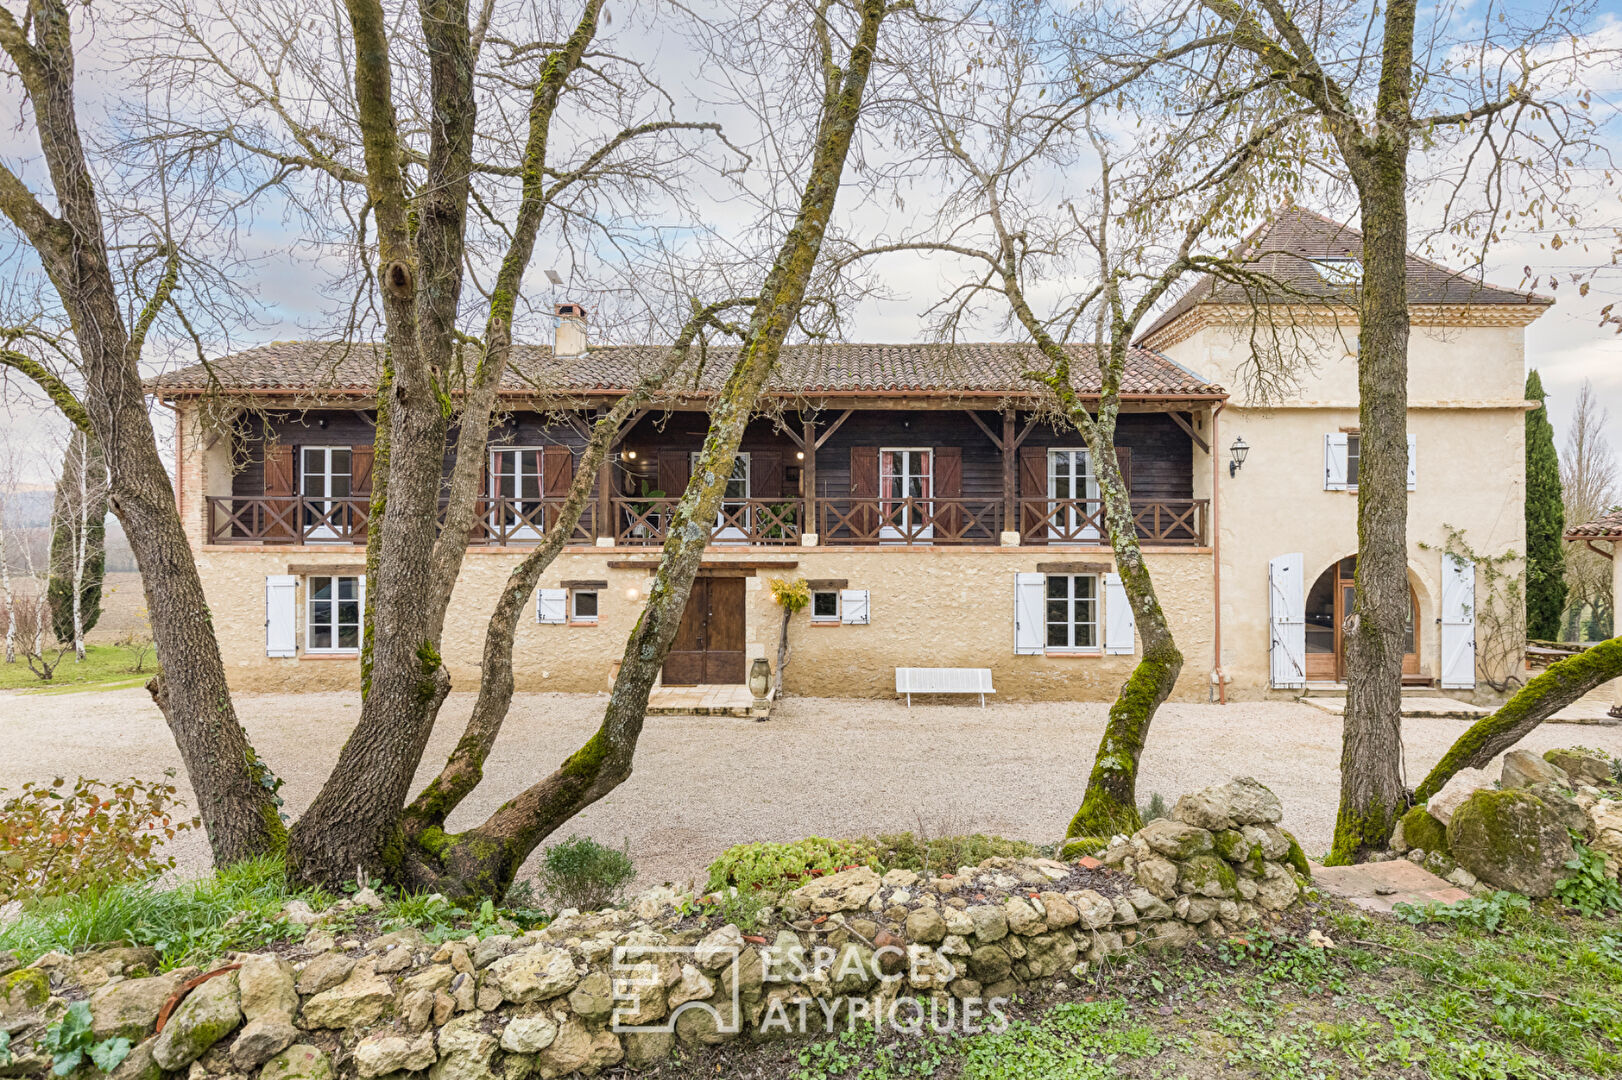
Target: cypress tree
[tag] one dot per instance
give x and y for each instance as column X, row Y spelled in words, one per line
column 1545, row 522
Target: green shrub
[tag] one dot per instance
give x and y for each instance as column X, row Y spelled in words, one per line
column 1154, row 809
column 581, row 873
column 59, row 841
column 774, row 869
column 944, row 854
column 1588, row 888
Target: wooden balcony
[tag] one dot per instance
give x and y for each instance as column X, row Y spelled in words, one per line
column 276, row 520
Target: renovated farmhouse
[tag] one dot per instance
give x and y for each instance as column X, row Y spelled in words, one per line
column 939, row 514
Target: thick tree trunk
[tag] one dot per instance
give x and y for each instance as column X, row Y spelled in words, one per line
column 233, row 788
column 1371, row 793
column 1563, row 683
column 484, row 860
column 420, row 246
column 1110, row 804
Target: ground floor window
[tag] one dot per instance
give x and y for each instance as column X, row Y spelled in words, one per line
column 1072, row 611
column 583, row 605
column 825, row 605
column 334, row 620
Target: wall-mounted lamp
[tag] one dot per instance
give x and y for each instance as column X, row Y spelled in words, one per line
column 800, row 454
column 631, row 454
column 631, row 593
column 321, row 423
column 1240, row 450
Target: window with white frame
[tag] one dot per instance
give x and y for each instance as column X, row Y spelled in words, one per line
column 333, row 614
column 583, row 605
column 825, row 605
column 1072, row 612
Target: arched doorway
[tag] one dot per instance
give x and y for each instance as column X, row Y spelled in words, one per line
column 1329, row 602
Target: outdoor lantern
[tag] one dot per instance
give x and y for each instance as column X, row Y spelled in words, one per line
column 1239, row 450
column 760, row 677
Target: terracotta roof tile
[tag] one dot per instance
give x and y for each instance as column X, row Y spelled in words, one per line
column 1289, row 248
column 1610, row 525
column 804, row 370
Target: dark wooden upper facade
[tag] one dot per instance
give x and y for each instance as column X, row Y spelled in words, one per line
column 915, row 476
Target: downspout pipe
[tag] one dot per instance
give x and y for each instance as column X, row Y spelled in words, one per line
column 1218, row 677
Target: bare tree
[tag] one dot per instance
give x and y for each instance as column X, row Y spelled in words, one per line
column 1499, row 105
column 110, row 308
column 78, row 555
column 1162, row 199
column 1588, row 481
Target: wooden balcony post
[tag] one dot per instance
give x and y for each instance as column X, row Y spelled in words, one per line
column 1010, row 474
column 808, row 474
column 606, row 517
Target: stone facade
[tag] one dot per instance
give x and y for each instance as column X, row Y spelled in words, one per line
column 929, row 607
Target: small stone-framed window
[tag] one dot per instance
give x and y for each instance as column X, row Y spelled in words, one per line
column 582, row 605
column 825, row 606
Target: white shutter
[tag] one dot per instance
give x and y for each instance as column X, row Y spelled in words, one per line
column 552, row 605
column 281, row 615
column 1335, row 461
column 853, row 606
column 1288, row 617
column 1030, row 594
column 1413, row 462
column 1458, row 623
column 1118, row 624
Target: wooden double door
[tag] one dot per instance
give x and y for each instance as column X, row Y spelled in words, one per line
column 709, row 645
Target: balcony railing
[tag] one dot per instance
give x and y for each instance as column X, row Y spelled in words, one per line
column 1081, row 521
column 270, row 519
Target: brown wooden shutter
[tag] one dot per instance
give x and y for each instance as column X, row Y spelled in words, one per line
column 675, row 469
column 864, row 490
column 1033, row 484
column 557, row 471
column 278, row 469
column 949, row 485
column 360, row 470
column 280, row 519
column 766, row 474
column 1123, row 456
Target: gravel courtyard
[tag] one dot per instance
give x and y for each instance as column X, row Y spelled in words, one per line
column 828, row 767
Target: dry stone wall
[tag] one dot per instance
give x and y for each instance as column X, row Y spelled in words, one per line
column 624, row 986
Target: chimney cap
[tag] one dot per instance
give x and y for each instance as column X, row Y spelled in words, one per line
column 573, row 310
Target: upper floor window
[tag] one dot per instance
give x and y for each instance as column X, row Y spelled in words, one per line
column 1343, row 460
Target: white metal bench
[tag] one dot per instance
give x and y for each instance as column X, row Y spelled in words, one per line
column 943, row 680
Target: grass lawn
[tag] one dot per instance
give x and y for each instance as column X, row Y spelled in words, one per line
column 1537, row 999
column 104, row 667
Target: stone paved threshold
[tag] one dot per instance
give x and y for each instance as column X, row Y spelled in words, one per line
column 1379, row 886
column 1436, row 708
column 1445, row 708
column 725, row 700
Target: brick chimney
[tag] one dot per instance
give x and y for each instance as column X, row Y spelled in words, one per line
column 570, row 336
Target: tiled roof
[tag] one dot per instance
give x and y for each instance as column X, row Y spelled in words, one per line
column 1610, row 525
column 803, row 371
column 1288, row 248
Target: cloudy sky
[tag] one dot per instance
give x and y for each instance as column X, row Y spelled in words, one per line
column 1567, row 345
